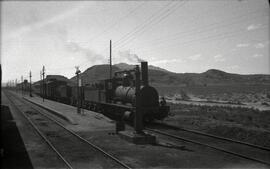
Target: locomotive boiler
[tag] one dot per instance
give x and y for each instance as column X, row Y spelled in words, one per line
column 149, row 95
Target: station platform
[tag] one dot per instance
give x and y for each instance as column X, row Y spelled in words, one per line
column 86, row 120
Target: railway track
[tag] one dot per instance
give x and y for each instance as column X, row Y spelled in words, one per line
column 211, row 135
column 71, row 148
column 241, row 149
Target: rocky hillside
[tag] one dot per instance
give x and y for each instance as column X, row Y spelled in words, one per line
column 96, row 73
column 162, row 77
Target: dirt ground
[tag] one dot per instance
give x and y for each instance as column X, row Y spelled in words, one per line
column 244, row 124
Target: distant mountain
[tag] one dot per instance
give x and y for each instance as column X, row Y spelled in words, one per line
column 217, row 76
column 162, row 77
column 96, row 73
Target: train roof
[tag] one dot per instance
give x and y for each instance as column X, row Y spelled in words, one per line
column 55, row 77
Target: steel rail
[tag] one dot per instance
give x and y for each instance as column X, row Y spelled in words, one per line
column 40, row 133
column 216, row 148
column 81, row 138
column 214, row 136
column 91, row 144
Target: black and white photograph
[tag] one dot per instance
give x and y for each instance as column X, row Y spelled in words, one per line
column 135, row 84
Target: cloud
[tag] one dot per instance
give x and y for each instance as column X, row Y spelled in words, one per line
column 43, row 23
column 152, row 58
column 166, row 61
column 89, row 54
column 253, row 27
column 241, row 45
column 219, row 58
column 259, row 45
column 256, row 55
column 233, row 67
column 71, row 46
column 195, row 57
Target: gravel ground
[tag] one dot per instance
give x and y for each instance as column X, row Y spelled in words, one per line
column 39, row 152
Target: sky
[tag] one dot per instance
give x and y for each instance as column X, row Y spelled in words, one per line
column 180, row 36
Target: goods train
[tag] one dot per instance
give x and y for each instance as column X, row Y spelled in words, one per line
column 24, row 86
column 117, row 97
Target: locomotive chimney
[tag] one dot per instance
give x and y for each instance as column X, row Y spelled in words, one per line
column 144, row 69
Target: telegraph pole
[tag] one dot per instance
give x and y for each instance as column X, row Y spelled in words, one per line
column 22, row 84
column 78, row 89
column 110, row 59
column 16, row 85
column 40, row 82
column 30, row 85
column 43, row 91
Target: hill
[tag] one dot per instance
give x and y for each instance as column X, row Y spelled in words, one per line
column 162, row 77
column 96, row 73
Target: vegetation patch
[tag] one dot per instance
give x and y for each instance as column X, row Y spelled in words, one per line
column 244, row 124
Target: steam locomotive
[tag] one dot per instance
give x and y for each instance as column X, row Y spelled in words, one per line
column 118, row 97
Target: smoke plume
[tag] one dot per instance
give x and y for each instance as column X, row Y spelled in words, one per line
column 129, row 57
column 94, row 58
column 88, row 53
column 74, row 47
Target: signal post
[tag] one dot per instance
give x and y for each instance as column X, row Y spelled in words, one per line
column 22, row 84
column 43, row 87
column 78, row 89
column 30, row 85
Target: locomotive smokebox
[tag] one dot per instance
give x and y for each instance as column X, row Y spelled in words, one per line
column 144, row 69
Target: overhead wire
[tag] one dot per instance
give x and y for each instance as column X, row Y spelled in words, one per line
column 209, row 27
column 149, row 20
column 158, row 21
column 109, row 28
column 212, row 26
column 215, row 37
column 117, row 46
column 199, row 32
